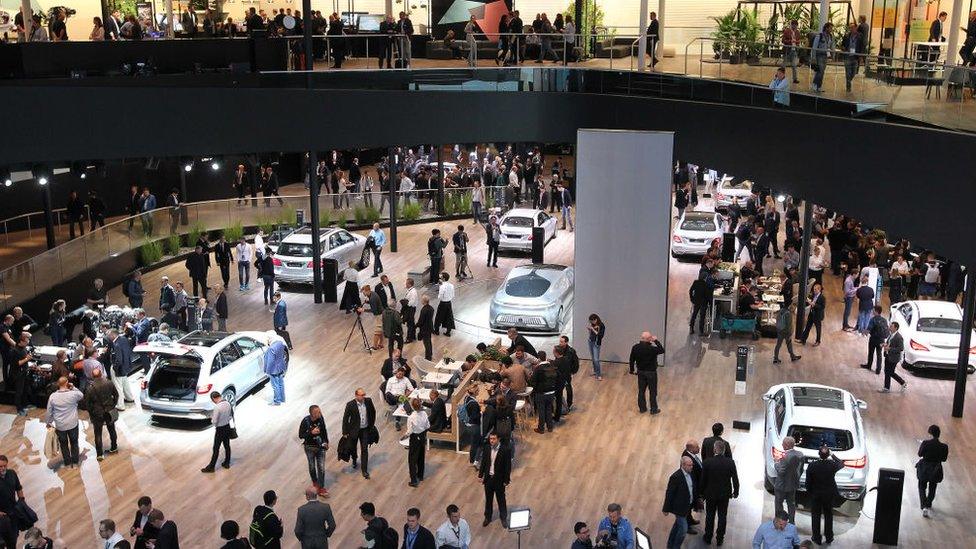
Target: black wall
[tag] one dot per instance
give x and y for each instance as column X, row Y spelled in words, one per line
column 886, row 175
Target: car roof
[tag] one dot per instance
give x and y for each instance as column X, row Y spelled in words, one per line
column 819, row 405
column 521, row 212
column 199, row 338
column 304, row 235
column 937, row 309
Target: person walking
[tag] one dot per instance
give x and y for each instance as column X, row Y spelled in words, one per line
column 700, row 293
column 494, row 473
column 315, row 441
column 244, row 256
column 471, row 38
column 267, row 273
column 851, row 47
column 787, row 481
column 596, row 330
column 719, row 483
column 816, row 304
column 425, row 326
column 460, row 240
column 566, row 205
column 932, row 453
column 76, row 215
column 477, row 200
column 435, row 251
column 545, row 381
column 100, row 400
column 445, row 312
column 379, row 240
column 350, row 292
column 266, row 528
column 280, row 318
column 493, row 235
column 167, row 535
column 314, row 524
column 220, row 307
column 678, row 499
column 790, row 41
column 121, row 364
column 197, row 264
column 224, row 257
column 408, row 310
column 784, row 332
column 893, row 349
column 275, row 365
column 643, row 362
column 865, row 304
column 418, row 424
column 415, row 535
column 359, row 425
column 134, row 291
column 877, row 335
column 62, row 415
column 823, row 45
column 653, row 35
column 221, row 418
column 822, row 489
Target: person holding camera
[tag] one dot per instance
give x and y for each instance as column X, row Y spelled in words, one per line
column 615, row 530
column 315, row 441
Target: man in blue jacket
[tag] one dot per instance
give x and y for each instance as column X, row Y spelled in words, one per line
column 275, row 365
column 615, row 527
column 281, row 318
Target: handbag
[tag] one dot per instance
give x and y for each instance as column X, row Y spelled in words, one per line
column 232, row 425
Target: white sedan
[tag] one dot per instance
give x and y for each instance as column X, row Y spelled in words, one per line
column 695, row 232
column 516, row 227
column 931, row 330
column 728, row 188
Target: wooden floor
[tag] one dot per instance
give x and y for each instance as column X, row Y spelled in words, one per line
column 603, row 452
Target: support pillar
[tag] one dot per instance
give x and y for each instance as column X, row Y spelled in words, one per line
column 824, row 13
column 659, row 45
column 955, row 21
column 313, row 212
column 440, row 180
column 48, row 215
column 309, row 55
column 801, row 294
column 391, row 165
column 170, row 31
column 965, row 341
column 25, row 10
column 642, row 44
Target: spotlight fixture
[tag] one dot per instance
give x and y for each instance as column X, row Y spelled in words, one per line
column 187, row 163
column 214, row 165
column 79, row 170
column 188, row 167
column 41, row 174
column 781, row 198
column 6, row 177
column 42, row 180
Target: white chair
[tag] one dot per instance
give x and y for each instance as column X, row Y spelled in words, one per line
column 421, row 367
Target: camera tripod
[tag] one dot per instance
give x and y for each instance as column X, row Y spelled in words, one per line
column 463, row 270
column 362, row 332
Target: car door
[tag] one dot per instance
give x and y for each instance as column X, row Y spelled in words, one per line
column 548, row 223
column 348, row 246
column 252, row 360
column 229, row 374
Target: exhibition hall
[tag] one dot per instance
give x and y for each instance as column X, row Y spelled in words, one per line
column 490, row 273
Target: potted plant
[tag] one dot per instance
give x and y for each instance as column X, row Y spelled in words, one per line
column 723, row 35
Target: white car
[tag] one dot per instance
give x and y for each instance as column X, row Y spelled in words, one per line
column 815, row 415
column 727, row 189
column 516, row 228
column 183, row 373
column 695, row 232
column 293, row 260
column 931, row 331
column 533, row 297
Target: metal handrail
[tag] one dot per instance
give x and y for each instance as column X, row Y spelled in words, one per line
column 56, row 213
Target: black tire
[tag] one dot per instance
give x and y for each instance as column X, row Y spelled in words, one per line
column 230, row 395
column 768, row 484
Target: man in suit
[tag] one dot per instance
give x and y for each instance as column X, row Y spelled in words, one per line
column 760, row 248
column 494, row 472
column 518, row 340
column 100, row 398
column 643, row 362
column 708, row 444
column 935, row 30
column 408, row 310
column 438, row 412
column 415, row 535
column 933, row 453
column 787, row 478
column 893, row 350
column 280, row 319
column 877, row 334
column 167, row 536
column 822, row 489
column 224, row 257
column 189, row 21
column 113, row 25
column 146, row 205
column 404, row 26
column 173, row 203
column 719, row 482
column 142, row 528
column 653, row 34
column 515, row 27
column 197, row 264
column 691, row 451
column 425, row 326
column 314, row 524
column 386, row 292
column 493, row 235
column 358, row 421
column 113, row 539
column 678, row 499
column 121, row 362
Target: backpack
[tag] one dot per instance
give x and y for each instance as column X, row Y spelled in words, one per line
column 932, row 274
column 463, row 411
column 697, row 291
column 125, row 284
column 255, row 535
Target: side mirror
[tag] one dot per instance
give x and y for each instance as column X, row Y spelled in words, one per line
column 861, row 405
column 767, row 398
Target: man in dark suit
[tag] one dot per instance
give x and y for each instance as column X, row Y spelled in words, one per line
column 197, row 264
column 643, row 362
column 708, row 444
column 167, row 536
column 438, row 412
column 691, row 451
column 315, row 523
column 113, row 25
column 189, row 21
column 515, row 27
column 493, row 238
column 719, row 482
column 224, row 257
column 494, row 472
column 653, row 35
column 893, row 350
column 678, row 499
column 425, row 326
column 113, row 539
column 358, row 421
column 121, row 364
column 933, row 453
column 385, row 290
column 392, row 364
column 935, row 30
column 760, row 249
column 142, row 528
column 415, row 535
column 822, row 489
column 518, row 340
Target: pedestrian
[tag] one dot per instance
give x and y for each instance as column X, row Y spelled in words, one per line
column 493, row 234
column 231, row 531
column 220, row 307
column 37, row 540
column 453, row 533
column 865, row 304
column 784, row 332
column 266, row 529
column 276, row 365
column 719, row 483
column 315, row 440
column 315, row 523
column 379, row 240
column 851, row 47
column 359, row 425
column 142, row 529
column 788, row 468
column 583, row 539
column 197, row 264
column 932, row 453
column 222, row 418
column 408, row 310
column 460, row 239
column 280, row 318
column 791, row 41
column 816, row 304
column 494, row 473
column 224, row 257
column 682, row 196
column 643, row 363
column 418, row 424
column 596, row 330
column 134, row 290
column 113, row 539
column 435, row 251
column 392, row 327
column 350, row 292
column 167, row 535
column 777, row 533
column 850, row 291
column 823, row 45
column 700, row 293
column 96, row 210
column 877, row 335
column 76, row 214
column 100, row 399
column 566, row 205
column 545, row 381
column 266, row 272
column 678, row 500
column 11, row 492
column 55, row 324
column 822, row 489
column 425, row 326
column 445, row 312
column 62, row 415
column 893, row 349
column 243, row 264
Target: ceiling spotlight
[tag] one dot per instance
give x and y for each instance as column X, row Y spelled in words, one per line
column 42, row 180
column 188, row 167
column 7, row 182
column 5, row 177
column 83, row 175
column 215, row 165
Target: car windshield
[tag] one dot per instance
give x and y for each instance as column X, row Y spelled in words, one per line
column 517, row 222
column 940, row 325
column 812, row 438
column 295, row 250
column 530, row 285
column 698, row 224
column 175, row 378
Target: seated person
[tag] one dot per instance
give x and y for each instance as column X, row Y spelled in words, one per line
column 747, row 271
column 470, row 363
column 748, row 305
column 387, row 370
column 396, row 387
column 97, row 294
column 524, row 359
column 449, row 44
column 438, row 412
column 518, row 378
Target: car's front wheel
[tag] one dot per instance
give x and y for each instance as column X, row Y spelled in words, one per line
column 768, row 483
column 230, row 396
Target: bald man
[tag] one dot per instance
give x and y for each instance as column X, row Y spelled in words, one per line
column 787, row 479
column 678, row 500
column 692, row 450
column 315, row 523
column 643, row 362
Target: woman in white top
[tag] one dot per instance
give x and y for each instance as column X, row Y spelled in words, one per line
column 477, row 198
column 417, row 426
column 350, row 293
column 259, row 245
column 343, row 189
column 817, row 262
column 470, row 36
column 445, row 311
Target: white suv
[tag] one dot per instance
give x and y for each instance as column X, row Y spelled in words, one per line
column 293, row 260
column 815, row 415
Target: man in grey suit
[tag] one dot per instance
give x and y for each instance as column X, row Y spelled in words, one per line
column 315, row 523
column 787, row 478
column 893, row 350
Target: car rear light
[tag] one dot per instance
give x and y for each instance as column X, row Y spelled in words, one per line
column 676, row 239
column 777, row 453
column 858, row 463
column 204, row 389
column 919, row 347
column 530, row 236
column 276, row 262
column 143, row 385
column 719, row 196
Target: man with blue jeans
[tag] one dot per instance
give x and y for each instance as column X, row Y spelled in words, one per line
column 379, row 240
column 596, row 329
column 280, row 318
column 566, row 199
column 615, row 527
column 823, row 44
column 865, row 304
column 678, row 501
column 315, row 441
column 275, row 365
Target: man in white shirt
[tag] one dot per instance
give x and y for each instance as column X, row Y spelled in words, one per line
column 221, row 417
column 106, row 530
column 445, row 312
column 455, row 532
column 62, row 415
column 396, row 387
column 379, row 240
column 417, row 426
column 408, row 312
column 243, row 264
column 406, row 187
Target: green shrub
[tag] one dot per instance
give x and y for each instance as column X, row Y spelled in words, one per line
column 372, row 215
column 325, row 218
column 341, row 219
column 195, row 233
column 173, row 244
column 359, row 214
column 266, row 225
column 234, row 232
column 410, row 212
column 286, row 216
column 150, row 253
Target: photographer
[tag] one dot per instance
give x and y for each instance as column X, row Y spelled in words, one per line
column 315, row 441
column 615, row 530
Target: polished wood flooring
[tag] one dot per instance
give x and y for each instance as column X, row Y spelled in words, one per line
column 603, row 452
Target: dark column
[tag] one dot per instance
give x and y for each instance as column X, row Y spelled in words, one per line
column 578, row 18
column 313, row 212
column 184, row 215
column 801, row 294
column 48, row 215
column 962, row 366
column 440, row 180
column 391, row 166
column 307, row 31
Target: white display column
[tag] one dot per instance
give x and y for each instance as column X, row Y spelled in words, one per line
column 642, row 45
column 659, row 45
column 824, row 12
column 955, row 21
column 170, row 30
column 623, row 235
column 25, row 9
